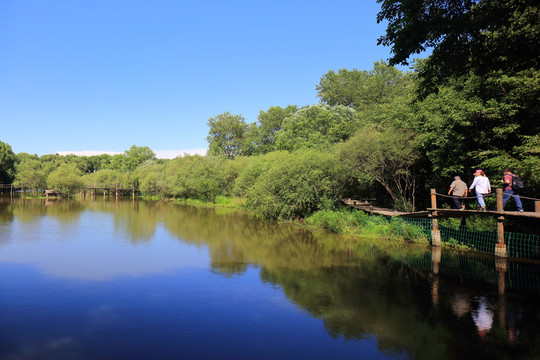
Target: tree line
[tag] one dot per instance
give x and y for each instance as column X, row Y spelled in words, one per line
column 379, row 133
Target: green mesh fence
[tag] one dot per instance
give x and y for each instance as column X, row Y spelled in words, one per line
column 523, row 276
column 518, row 245
column 520, row 276
column 522, row 245
column 412, row 228
column 481, row 240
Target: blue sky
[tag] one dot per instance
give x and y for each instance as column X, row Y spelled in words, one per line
column 107, row 74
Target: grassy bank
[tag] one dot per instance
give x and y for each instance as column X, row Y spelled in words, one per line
column 221, row 201
column 354, row 222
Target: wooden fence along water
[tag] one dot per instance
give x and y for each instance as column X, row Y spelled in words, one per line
column 93, row 190
column 116, row 189
column 521, row 245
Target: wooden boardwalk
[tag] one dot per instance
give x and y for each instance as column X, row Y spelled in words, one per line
column 440, row 212
column 435, row 213
column 376, row 210
column 92, row 189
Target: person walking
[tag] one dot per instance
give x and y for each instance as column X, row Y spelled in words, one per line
column 458, row 189
column 508, row 191
column 481, row 187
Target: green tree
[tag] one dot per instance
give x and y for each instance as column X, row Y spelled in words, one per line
column 317, row 126
column 362, row 90
column 150, row 178
column 98, row 162
column 477, row 122
column 229, row 136
column 7, row 163
column 387, row 157
column 529, row 166
column 67, row 179
column 289, row 185
column 118, row 162
column 197, row 177
column 30, row 174
column 467, row 36
column 136, row 155
column 51, row 162
column 82, row 162
column 106, row 177
column 268, row 124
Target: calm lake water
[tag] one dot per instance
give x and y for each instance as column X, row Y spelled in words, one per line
column 112, row 279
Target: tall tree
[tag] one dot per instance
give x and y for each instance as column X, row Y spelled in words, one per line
column 229, row 136
column 30, row 174
column 7, row 163
column 362, row 89
column 269, row 123
column 381, row 95
column 467, row 36
column 136, row 155
column 461, row 128
column 66, row 179
column 317, row 126
column 480, row 86
column 387, row 157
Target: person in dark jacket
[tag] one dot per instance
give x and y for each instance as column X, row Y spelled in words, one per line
column 508, row 191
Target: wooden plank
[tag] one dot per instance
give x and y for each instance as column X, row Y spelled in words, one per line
column 371, row 209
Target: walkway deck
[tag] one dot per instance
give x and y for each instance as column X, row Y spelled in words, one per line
column 371, row 209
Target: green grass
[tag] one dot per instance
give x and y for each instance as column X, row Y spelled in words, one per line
column 351, row 222
column 220, row 202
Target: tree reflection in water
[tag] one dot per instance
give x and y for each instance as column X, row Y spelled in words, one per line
column 426, row 302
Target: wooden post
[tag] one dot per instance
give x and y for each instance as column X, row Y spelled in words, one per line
column 435, row 233
column 500, row 266
column 435, row 290
column 433, row 199
column 537, row 206
column 133, row 191
column 436, row 258
column 500, row 247
column 499, row 195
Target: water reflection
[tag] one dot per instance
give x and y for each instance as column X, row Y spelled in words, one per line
column 418, row 301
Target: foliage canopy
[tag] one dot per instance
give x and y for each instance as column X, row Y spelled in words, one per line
column 466, row 36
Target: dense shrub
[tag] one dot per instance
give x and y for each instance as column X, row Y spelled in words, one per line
column 66, row 178
column 253, row 169
column 293, row 185
column 333, row 221
column 107, row 177
column 197, row 177
column 150, row 177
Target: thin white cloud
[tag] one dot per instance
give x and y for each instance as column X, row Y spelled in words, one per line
column 160, row 154
column 87, row 153
column 171, row 154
